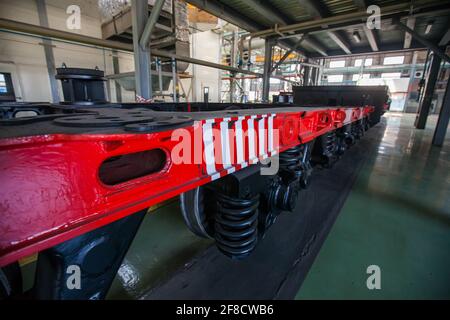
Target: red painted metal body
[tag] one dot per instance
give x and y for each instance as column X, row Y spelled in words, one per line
column 51, row 191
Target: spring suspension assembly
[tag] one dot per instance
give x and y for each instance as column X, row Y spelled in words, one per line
column 236, row 225
column 326, row 150
column 358, row 129
column 295, row 164
column 345, row 138
column 247, row 203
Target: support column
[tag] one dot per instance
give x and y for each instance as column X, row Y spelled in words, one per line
column 48, row 51
column 116, row 70
column 142, row 61
column 306, row 75
column 444, row 116
column 233, row 63
column 174, row 80
column 427, row 97
column 267, row 68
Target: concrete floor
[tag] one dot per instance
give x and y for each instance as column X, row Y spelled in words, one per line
column 397, row 217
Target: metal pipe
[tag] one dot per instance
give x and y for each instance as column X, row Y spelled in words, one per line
column 154, row 15
column 284, row 57
column 30, row 29
column 64, row 35
column 159, row 69
column 267, row 66
column 165, row 54
column 74, row 37
column 142, row 59
column 174, row 80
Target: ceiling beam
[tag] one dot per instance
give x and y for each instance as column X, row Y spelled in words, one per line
column 371, row 37
column 343, row 21
column 317, row 9
column 370, row 34
column 340, row 41
column 367, row 50
column 422, row 40
column 265, row 10
column 445, row 39
column 287, row 53
column 361, row 4
column 316, row 46
column 410, row 23
column 227, row 13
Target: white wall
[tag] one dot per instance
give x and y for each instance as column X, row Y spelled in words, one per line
column 205, row 46
column 24, row 57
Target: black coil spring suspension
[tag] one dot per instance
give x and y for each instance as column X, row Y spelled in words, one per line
column 291, row 160
column 236, row 225
column 358, row 129
column 295, row 164
column 331, row 142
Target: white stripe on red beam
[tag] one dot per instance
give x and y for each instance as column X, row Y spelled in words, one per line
column 261, row 137
column 239, row 134
column 208, row 142
column 225, row 142
column 270, row 145
column 251, row 140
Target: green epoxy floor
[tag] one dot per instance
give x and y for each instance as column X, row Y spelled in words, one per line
column 397, row 217
column 162, row 245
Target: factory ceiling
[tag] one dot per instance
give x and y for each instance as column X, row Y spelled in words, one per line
column 341, row 34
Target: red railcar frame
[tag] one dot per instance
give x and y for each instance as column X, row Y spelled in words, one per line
column 51, row 191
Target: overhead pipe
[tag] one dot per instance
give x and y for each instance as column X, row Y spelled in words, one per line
column 36, row 30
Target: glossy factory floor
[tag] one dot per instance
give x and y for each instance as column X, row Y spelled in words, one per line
column 396, row 217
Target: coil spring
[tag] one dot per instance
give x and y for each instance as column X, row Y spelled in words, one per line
column 291, row 160
column 330, row 142
column 236, row 225
column 358, row 130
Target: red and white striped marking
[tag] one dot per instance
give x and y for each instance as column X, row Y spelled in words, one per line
column 230, row 144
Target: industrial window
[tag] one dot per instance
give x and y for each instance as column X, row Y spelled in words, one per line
column 337, row 64
column 3, row 88
column 391, row 75
column 358, row 76
column 368, row 62
column 6, row 87
column 358, row 62
column 393, row 60
column 335, row 78
column 274, row 81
